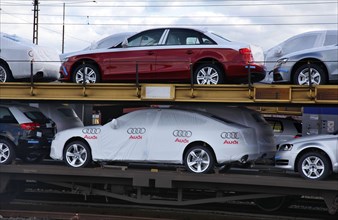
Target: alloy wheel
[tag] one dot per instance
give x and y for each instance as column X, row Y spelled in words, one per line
column 207, row 75
column 313, row 167
column 76, row 155
column 88, row 73
column 5, row 153
column 3, row 75
column 303, row 77
column 198, row 160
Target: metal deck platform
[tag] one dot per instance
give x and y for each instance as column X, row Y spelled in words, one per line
column 103, row 92
column 170, row 187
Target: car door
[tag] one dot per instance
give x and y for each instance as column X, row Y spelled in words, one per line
column 127, row 137
column 172, row 134
column 138, row 54
column 181, row 48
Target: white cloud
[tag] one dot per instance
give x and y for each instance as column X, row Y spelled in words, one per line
column 239, row 23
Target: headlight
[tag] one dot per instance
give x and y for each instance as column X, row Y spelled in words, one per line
column 285, row 147
column 280, row 62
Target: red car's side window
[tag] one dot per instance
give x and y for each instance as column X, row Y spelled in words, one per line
column 147, row 38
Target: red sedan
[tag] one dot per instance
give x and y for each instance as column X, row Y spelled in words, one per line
column 167, row 55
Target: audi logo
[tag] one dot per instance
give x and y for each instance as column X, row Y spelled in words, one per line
column 182, row 133
column 229, row 135
column 91, row 130
column 136, row 130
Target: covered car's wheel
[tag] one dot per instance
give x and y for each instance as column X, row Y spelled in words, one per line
column 314, row 165
column 7, row 154
column 301, row 76
column 5, row 73
column 199, row 159
column 87, row 72
column 77, row 154
column 209, row 74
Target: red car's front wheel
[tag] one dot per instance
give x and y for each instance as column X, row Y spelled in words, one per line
column 86, row 72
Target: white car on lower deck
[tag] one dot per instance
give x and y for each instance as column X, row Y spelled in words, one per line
column 198, row 140
column 313, row 157
column 18, row 56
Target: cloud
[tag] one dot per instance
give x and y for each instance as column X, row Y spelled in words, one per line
column 266, row 24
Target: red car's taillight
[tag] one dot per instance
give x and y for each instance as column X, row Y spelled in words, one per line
column 30, row 126
column 246, row 54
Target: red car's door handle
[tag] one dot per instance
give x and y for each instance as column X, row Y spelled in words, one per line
column 190, row 52
column 150, row 52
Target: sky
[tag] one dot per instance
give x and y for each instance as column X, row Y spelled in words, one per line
column 261, row 22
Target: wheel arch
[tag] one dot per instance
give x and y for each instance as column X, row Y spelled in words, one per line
column 199, row 143
column 306, row 61
column 2, row 137
column 308, row 150
column 2, row 61
column 209, row 60
column 83, row 61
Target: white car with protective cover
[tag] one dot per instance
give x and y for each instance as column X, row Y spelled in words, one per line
column 19, row 59
column 198, row 140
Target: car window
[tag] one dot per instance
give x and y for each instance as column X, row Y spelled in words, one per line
column 299, row 43
column 35, row 115
column 6, row 116
column 67, row 112
column 298, row 126
column 146, row 38
column 330, row 39
column 187, row 37
column 276, row 126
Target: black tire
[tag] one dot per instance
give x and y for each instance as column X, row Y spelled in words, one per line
column 5, row 73
column 199, row 159
column 77, row 154
column 314, row 166
column 7, row 152
column 301, row 76
column 208, row 73
column 90, row 71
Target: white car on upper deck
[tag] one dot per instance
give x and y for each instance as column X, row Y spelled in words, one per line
column 17, row 54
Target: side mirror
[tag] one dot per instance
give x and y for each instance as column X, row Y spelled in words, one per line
column 113, row 124
column 125, row 43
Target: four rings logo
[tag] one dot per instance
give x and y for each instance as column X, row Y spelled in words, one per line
column 182, row 136
column 136, row 133
column 230, row 135
column 91, row 130
column 136, row 130
column 182, row 133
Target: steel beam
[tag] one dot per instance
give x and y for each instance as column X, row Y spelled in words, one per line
column 258, row 93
